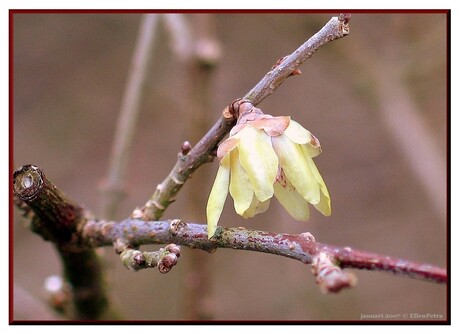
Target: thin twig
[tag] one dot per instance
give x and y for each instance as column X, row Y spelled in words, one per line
column 129, row 111
column 180, row 35
column 337, row 27
column 166, row 191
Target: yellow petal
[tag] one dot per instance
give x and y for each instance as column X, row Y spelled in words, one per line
column 294, row 204
column 312, row 149
column 296, row 168
column 256, row 207
column 299, row 135
column 259, row 160
column 240, row 186
column 324, row 205
column 218, row 195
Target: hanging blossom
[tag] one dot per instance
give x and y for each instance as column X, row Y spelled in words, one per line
column 266, row 156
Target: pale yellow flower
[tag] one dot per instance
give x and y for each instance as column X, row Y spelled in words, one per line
column 266, row 156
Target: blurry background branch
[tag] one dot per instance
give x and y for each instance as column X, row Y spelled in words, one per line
column 113, row 189
column 388, row 69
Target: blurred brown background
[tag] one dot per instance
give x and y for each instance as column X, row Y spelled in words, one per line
column 375, row 99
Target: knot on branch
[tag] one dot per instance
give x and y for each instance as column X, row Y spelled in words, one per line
column 307, row 236
column 295, row 71
column 176, row 225
column 28, row 181
column 329, row 276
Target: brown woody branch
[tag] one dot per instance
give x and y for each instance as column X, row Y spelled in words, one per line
column 75, row 233
column 57, row 219
column 327, row 260
column 83, row 233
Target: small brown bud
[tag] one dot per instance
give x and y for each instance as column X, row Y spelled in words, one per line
column 185, row 148
column 173, row 248
column 139, row 258
column 166, row 264
column 169, row 260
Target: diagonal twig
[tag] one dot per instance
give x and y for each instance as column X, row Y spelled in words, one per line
column 188, row 162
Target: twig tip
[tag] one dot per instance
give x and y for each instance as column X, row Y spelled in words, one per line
column 345, row 17
column 329, row 276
